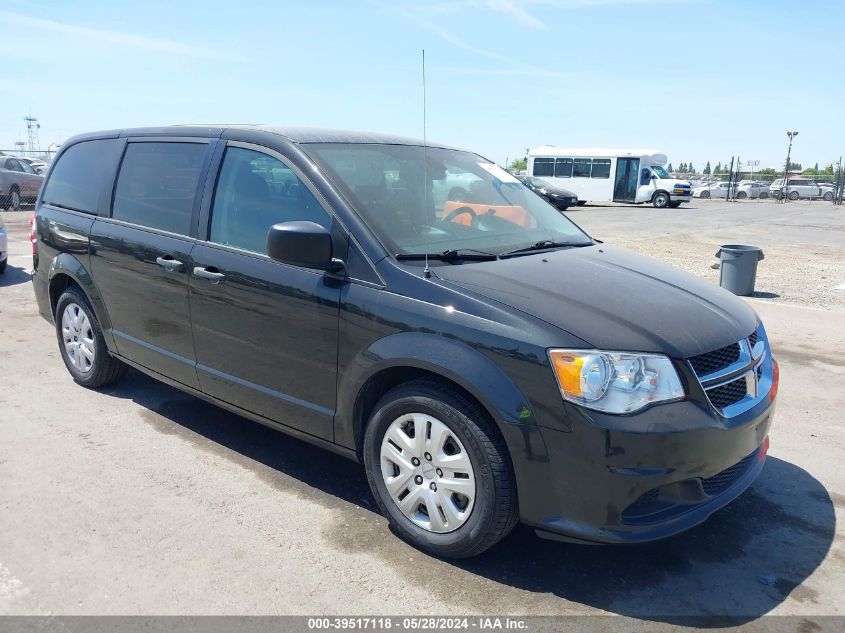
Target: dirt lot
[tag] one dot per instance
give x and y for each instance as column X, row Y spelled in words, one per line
column 802, row 241
column 139, row 499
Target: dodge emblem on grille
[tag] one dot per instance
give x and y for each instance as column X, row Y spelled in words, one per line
column 751, row 383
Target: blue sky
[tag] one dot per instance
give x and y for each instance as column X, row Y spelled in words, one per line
column 695, row 78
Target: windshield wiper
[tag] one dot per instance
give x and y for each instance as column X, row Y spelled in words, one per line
column 451, row 255
column 542, row 245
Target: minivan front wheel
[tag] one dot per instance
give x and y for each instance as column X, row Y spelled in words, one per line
column 81, row 342
column 439, row 470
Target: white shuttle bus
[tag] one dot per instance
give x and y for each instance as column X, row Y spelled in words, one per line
column 610, row 175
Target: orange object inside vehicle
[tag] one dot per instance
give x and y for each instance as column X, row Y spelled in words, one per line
column 515, row 214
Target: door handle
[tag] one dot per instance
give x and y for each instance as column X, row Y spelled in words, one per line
column 168, row 263
column 210, row 273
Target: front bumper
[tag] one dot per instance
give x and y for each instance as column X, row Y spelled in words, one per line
column 648, row 476
column 674, row 196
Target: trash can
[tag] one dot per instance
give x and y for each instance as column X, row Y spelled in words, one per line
column 738, row 267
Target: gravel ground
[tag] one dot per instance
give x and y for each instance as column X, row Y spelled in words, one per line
column 803, row 242
column 140, row 499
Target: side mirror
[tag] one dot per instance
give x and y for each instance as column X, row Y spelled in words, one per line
column 305, row 244
column 653, row 176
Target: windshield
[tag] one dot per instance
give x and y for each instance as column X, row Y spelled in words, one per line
column 459, row 202
column 661, row 173
column 539, row 183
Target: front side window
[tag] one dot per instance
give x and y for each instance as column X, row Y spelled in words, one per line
column 544, row 167
column 407, row 200
column 26, row 167
column 581, row 167
column 13, row 165
column 81, row 175
column 254, row 192
column 157, row 185
column 563, row 167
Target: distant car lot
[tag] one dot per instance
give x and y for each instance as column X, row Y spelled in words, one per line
column 161, row 504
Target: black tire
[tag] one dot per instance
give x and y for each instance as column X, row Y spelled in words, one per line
column 105, row 369
column 3, row 265
column 705, row 195
column 495, row 511
column 828, row 196
column 581, row 203
column 741, row 194
column 763, row 195
column 14, row 199
column 793, row 195
column 660, row 200
column 674, row 205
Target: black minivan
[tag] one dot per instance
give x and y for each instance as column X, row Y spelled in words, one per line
column 485, row 359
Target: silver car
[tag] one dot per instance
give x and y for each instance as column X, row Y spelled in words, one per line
column 751, row 189
column 18, row 183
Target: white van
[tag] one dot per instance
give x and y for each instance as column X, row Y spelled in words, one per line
column 605, row 175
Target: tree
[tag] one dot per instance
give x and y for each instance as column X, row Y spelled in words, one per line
column 519, row 164
column 707, row 168
column 669, row 168
column 718, row 169
column 828, row 169
column 816, row 168
column 690, row 169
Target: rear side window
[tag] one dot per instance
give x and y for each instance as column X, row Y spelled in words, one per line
column 581, row 167
column 157, row 185
column 544, row 167
column 81, row 174
column 563, row 167
column 601, row 168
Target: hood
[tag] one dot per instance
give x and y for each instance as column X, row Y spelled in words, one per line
column 612, row 298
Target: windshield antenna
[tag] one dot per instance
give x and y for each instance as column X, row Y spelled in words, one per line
column 426, row 270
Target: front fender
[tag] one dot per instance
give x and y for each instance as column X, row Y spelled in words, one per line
column 451, row 359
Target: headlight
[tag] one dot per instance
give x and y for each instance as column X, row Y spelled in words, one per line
column 615, row 382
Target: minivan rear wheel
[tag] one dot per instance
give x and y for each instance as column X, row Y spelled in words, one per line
column 439, row 470
column 793, row 195
column 81, row 342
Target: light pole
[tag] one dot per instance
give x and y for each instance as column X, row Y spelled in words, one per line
column 791, row 136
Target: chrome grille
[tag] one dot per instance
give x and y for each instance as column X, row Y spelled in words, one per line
column 731, row 375
column 728, row 394
column 709, row 362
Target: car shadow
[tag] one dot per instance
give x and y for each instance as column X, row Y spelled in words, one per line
column 14, row 276
column 740, row 564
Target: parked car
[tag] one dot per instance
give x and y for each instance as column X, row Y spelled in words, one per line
column 712, row 190
column 487, row 362
column 799, row 188
column 4, row 247
column 18, row 183
column 752, row 189
column 39, row 166
column 560, row 198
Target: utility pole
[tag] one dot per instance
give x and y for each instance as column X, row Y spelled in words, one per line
column 32, row 127
column 730, row 180
column 791, row 136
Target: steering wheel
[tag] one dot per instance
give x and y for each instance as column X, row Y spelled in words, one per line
column 460, row 211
